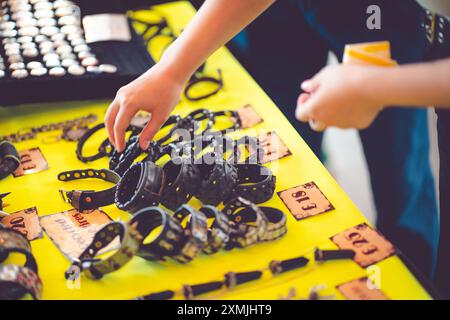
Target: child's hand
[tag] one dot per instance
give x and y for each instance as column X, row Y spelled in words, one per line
column 339, row 96
column 156, row 91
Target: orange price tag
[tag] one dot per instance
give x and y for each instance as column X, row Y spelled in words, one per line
column 305, row 201
column 25, row 221
column 369, row 245
column 249, row 117
column 361, row 289
column 31, row 161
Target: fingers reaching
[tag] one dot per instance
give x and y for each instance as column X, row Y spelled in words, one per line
column 110, row 119
column 121, row 124
column 150, row 131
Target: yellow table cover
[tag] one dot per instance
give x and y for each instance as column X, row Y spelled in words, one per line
column 140, row 277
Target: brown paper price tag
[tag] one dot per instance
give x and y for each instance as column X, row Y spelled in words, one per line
column 31, row 161
column 305, row 201
column 72, row 231
column 25, row 221
column 361, row 289
column 274, row 147
column 249, row 117
column 369, row 245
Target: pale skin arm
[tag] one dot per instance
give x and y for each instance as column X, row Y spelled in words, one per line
column 352, row 96
column 158, row 90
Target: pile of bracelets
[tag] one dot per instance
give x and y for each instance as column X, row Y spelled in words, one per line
column 182, row 235
column 202, row 163
column 197, row 168
column 17, row 281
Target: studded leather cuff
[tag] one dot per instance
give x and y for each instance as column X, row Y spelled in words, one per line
column 219, row 230
column 141, row 186
column 84, row 200
column 181, row 183
column 217, row 181
column 196, row 233
column 170, row 239
column 255, row 183
column 248, row 223
column 97, row 268
column 14, row 242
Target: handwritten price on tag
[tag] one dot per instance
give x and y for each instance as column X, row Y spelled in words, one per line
column 31, row 161
column 25, row 222
column 369, row 245
column 305, row 201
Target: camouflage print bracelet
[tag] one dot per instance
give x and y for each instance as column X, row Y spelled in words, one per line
column 16, row 281
column 248, row 223
column 97, row 268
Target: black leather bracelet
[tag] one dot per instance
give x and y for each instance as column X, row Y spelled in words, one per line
column 233, row 116
column 255, row 183
column 141, row 186
column 82, row 141
column 105, row 149
column 181, row 183
column 169, row 240
column 248, row 223
column 276, row 223
column 219, row 230
column 217, row 181
column 84, row 200
column 196, row 233
column 196, row 80
column 9, row 159
column 16, row 281
column 97, row 268
column 14, row 242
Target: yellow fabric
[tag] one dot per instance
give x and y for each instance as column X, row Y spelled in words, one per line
column 141, row 277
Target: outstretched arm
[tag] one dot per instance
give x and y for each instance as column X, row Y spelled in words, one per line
column 158, row 90
column 352, row 96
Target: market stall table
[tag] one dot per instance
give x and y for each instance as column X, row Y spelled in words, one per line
column 140, row 277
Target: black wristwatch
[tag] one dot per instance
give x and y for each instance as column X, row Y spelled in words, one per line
column 255, row 183
column 85, row 200
column 181, row 183
column 248, row 223
column 96, row 268
column 9, row 159
column 195, row 233
column 141, row 186
column 170, row 239
column 217, row 180
column 218, row 231
column 16, row 281
column 14, row 242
